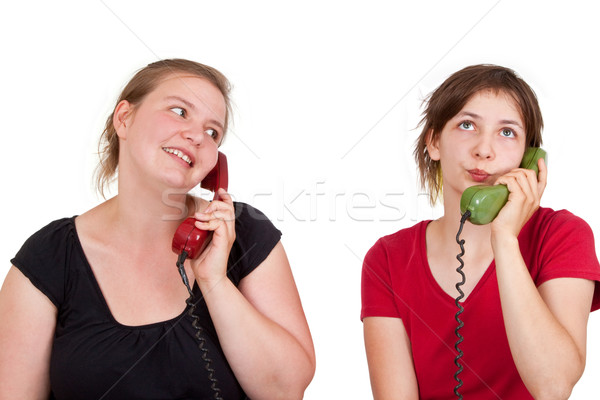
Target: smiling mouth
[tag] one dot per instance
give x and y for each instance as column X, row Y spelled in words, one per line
column 179, row 154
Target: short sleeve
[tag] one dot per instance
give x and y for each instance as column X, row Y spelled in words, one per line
column 568, row 250
column 256, row 236
column 376, row 284
column 44, row 256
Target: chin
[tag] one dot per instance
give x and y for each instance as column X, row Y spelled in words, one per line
column 177, row 183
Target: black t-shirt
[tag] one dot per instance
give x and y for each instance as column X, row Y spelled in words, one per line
column 95, row 357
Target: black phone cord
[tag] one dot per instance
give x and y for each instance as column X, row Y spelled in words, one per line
column 461, row 295
column 196, row 324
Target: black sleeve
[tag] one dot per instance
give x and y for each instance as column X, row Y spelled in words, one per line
column 43, row 258
column 256, row 236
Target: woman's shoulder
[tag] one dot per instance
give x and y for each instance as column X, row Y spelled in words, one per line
column 52, row 231
column 557, row 235
column 247, row 212
column 405, row 240
column 43, row 256
column 249, row 218
column 48, row 240
column 400, row 238
column 253, row 227
column 549, row 219
column 256, row 236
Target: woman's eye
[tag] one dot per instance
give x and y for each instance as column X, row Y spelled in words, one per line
column 213, row 133
column 179, row 111
column 466, row 125
column 507, row 133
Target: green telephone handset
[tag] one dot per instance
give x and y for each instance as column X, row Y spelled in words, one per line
column 484, row 202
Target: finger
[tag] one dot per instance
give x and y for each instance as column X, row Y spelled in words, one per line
column 542, row 176
column 208, row 215
column 210, row 225
column 213, row 224
column 518, row 183
column 514, row 186
column 503, row 179
column 528, row 182
column 508, row 179
column 224, row 196
column 217, row 205
column 221, row 226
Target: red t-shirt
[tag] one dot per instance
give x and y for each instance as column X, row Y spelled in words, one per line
column 397, row 282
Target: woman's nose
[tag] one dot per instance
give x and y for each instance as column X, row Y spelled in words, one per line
column 195, row 135
column 483, row 148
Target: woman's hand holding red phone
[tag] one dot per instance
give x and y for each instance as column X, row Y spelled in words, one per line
column 219, row 217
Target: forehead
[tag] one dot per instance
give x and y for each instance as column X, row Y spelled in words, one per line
column 494, row 102
column 199, row 92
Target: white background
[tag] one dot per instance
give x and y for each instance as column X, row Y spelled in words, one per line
column 327, row 97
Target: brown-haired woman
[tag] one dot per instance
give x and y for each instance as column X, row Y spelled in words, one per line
column 531, row 275
column 93, row 306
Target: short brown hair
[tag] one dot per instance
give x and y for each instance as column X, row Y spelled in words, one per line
column 451, row 96
column 142, row 83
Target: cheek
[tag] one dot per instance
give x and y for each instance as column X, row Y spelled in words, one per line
column 516, row 162
column 448, row 164
column 450, row 154
column 156, row 128
column 514, row 155
column 162, row 122
column 214, row 154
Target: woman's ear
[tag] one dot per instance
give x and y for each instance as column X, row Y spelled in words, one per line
column 432, row 145
column 121, row 118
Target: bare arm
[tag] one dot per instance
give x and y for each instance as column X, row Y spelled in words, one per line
column 263, row 331
column 261, row 326
column 546, row 326
column 390, row 360
column 27, row 323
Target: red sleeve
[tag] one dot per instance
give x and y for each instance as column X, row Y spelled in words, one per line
column 376, row 285
column 568, row 251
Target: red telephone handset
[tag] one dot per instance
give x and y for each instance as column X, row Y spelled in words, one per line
column 188, row 238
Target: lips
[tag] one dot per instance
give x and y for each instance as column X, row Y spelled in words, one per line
column 478, row 175
column 178, row 153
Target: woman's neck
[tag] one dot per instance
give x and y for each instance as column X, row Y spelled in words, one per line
column 449, row 223
column 145, row 210
column 442, row 247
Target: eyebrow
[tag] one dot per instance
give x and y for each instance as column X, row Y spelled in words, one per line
column 511, row 122
column 193, row 107
column 181, row 99
column 476, row 116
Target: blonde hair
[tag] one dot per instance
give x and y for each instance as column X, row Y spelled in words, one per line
column 142, row 83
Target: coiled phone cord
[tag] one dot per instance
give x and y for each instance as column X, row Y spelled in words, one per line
column 461, row 295
column 196, row 324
